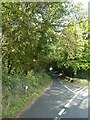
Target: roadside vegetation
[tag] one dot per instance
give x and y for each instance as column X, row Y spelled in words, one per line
column 36, row 37
column 81, row 82
column 19, row 91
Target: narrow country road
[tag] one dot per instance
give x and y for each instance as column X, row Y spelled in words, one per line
column 61, row 100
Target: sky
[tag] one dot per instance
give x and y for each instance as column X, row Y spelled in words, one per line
column 85, row 3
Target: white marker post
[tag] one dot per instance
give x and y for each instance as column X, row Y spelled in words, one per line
column 26, row 88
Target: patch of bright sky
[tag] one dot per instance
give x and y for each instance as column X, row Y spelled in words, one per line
column 85, row 3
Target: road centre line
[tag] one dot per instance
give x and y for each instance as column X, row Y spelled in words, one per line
column 67, row 105
column 56, row 118
column 78, row 89
column 67, row 87
column 62, row 111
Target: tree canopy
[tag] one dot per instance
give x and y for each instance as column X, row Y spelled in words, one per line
column 36, row 34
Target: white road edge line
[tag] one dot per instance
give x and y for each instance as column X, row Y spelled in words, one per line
column 61, row 82
column 67, row 87
column 70, row 89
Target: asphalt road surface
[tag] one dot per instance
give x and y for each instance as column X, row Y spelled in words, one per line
column 61, row 100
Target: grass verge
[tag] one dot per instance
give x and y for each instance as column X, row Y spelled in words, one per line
column 22, row 90
column 82, row 82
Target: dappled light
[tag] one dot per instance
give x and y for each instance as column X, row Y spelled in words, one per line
column 45, row 59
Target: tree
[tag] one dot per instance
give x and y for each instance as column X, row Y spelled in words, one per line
column 36, row 34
